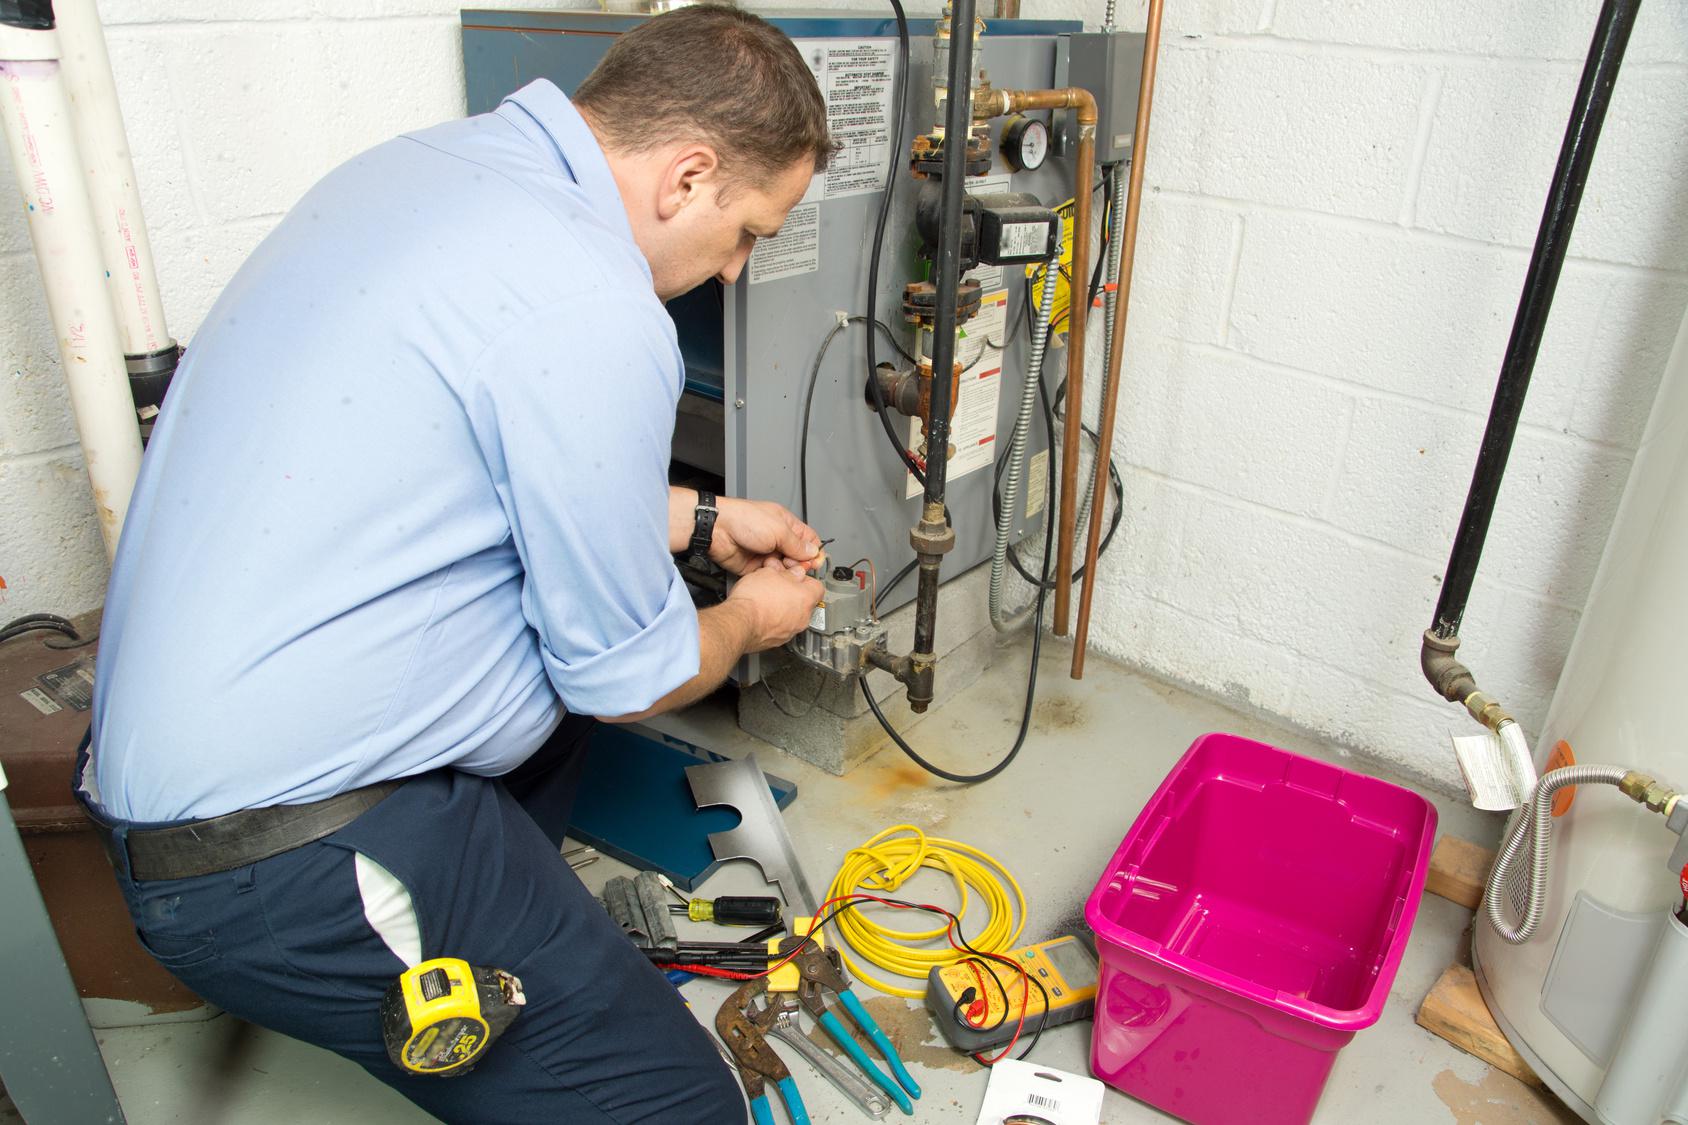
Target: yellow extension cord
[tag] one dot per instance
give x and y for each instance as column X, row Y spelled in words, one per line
column 882, row 865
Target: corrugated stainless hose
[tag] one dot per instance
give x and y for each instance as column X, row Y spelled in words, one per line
column 1010, row 499
column 1529, row 840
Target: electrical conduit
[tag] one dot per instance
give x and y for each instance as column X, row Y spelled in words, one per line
column 35, row 115
column 1009, row 503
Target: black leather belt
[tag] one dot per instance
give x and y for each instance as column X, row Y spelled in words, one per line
column 223, row 843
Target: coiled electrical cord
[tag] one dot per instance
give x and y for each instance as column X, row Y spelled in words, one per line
column 887, row 861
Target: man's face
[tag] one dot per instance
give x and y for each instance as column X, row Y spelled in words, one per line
column 715, row 236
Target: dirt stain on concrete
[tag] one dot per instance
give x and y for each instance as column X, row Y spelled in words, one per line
column 909, row 1027
column 1060, row 713
column 1498, row 1099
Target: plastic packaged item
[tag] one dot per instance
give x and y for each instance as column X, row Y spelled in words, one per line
column 1250, row 923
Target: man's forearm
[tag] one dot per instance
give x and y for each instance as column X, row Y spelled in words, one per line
column 682, row 509
column 725, row 633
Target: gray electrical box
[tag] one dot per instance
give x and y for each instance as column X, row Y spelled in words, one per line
column 750, row 348
column 1110, row 65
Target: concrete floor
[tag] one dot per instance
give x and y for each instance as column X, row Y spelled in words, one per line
column 1098, row 749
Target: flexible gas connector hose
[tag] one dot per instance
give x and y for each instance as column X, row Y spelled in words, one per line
column 1529, row 840
column 882, row 865
column 1009, row 503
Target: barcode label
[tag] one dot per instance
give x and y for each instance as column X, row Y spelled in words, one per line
column 1038, row 1101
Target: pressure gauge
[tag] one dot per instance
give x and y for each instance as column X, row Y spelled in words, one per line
column 1025, row 142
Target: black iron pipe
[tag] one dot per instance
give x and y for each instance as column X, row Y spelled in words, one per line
column 932, row 537
column 27, row 15
column 958, row 126
column 1576, row 154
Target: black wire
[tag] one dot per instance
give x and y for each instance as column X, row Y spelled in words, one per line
column 809, row 400
column 45, row 622
column 1031, row 676
column 955, row 928
column 894, row 167
column 898, row 577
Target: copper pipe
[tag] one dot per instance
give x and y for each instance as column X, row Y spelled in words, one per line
column 1116, row 344
column 995, row 103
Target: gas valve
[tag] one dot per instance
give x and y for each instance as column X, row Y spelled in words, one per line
column 842, row 627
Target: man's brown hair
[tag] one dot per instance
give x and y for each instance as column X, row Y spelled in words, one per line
column 715, row 74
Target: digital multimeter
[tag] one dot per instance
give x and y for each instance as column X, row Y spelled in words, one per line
column 990, row 1012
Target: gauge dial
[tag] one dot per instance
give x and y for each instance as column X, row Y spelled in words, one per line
column 1025, row 142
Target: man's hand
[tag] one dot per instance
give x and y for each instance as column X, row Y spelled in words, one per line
column 751, row 534
column 777, row 602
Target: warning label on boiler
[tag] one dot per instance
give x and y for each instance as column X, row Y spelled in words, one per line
column 973, row 427
column 855, row 77
column 795, row 250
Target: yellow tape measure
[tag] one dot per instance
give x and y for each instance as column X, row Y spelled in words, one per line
column 440, row 1016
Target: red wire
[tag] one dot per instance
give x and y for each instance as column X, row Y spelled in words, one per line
column 951, row 922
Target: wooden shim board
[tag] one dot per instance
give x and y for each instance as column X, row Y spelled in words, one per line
column 1455, row 1011
column 1458, row 871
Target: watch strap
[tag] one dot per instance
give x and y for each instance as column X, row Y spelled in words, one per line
column 703, row 523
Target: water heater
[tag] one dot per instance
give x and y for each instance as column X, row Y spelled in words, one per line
column 1597, row 999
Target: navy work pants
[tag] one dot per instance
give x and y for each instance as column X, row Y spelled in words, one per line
column 284, row 943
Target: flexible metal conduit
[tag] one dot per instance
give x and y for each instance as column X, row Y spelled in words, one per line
column 1530, row 841
column 997, row 103
column 1010, row 500
column 1451, row 679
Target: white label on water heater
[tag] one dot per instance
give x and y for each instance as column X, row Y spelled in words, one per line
column 795, row 250
column 1499, row 772
column 855, row 77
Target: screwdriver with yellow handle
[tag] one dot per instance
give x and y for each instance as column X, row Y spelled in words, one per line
column 727, row 910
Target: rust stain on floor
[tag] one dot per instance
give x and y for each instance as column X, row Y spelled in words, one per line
column 881, row 783
column 1498, row 1099
column 909, row 1028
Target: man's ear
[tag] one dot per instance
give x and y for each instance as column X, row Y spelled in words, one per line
column 693, row 168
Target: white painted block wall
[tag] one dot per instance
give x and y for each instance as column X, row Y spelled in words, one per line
column 1340, row 197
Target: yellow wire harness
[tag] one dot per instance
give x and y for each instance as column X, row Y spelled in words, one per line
column 881, row 866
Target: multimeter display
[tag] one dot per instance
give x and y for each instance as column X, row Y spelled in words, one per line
column 995, row 994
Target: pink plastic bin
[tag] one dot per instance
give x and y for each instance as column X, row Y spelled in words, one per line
column 1250, row 923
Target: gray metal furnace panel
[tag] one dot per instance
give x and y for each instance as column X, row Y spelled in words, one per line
column 770, row 333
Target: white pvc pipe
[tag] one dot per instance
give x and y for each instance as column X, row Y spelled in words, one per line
column 110, row 169
column 35, row 115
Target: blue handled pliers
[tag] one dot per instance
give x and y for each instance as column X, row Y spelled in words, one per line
column 756, row 1060
column 823, row 971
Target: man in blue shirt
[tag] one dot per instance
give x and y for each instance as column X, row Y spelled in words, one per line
column 404, row 526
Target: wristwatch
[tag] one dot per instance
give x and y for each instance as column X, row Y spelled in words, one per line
column 703, row 524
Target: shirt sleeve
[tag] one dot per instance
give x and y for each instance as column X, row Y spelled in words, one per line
column 573, row 408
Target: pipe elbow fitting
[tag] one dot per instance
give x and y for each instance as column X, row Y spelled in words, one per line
column 1452, row 680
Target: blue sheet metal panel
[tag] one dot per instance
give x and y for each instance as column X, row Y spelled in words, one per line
column 635, row 804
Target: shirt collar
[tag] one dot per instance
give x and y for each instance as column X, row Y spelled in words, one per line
column 545, row 112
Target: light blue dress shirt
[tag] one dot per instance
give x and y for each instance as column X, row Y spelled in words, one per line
column 408, row 497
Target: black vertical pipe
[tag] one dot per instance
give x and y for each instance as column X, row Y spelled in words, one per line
column 1576, row 154
column 27, row 15
column 958, row 127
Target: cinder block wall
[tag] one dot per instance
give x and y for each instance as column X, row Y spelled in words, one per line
column 1339, row 202
column 1340, row 199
